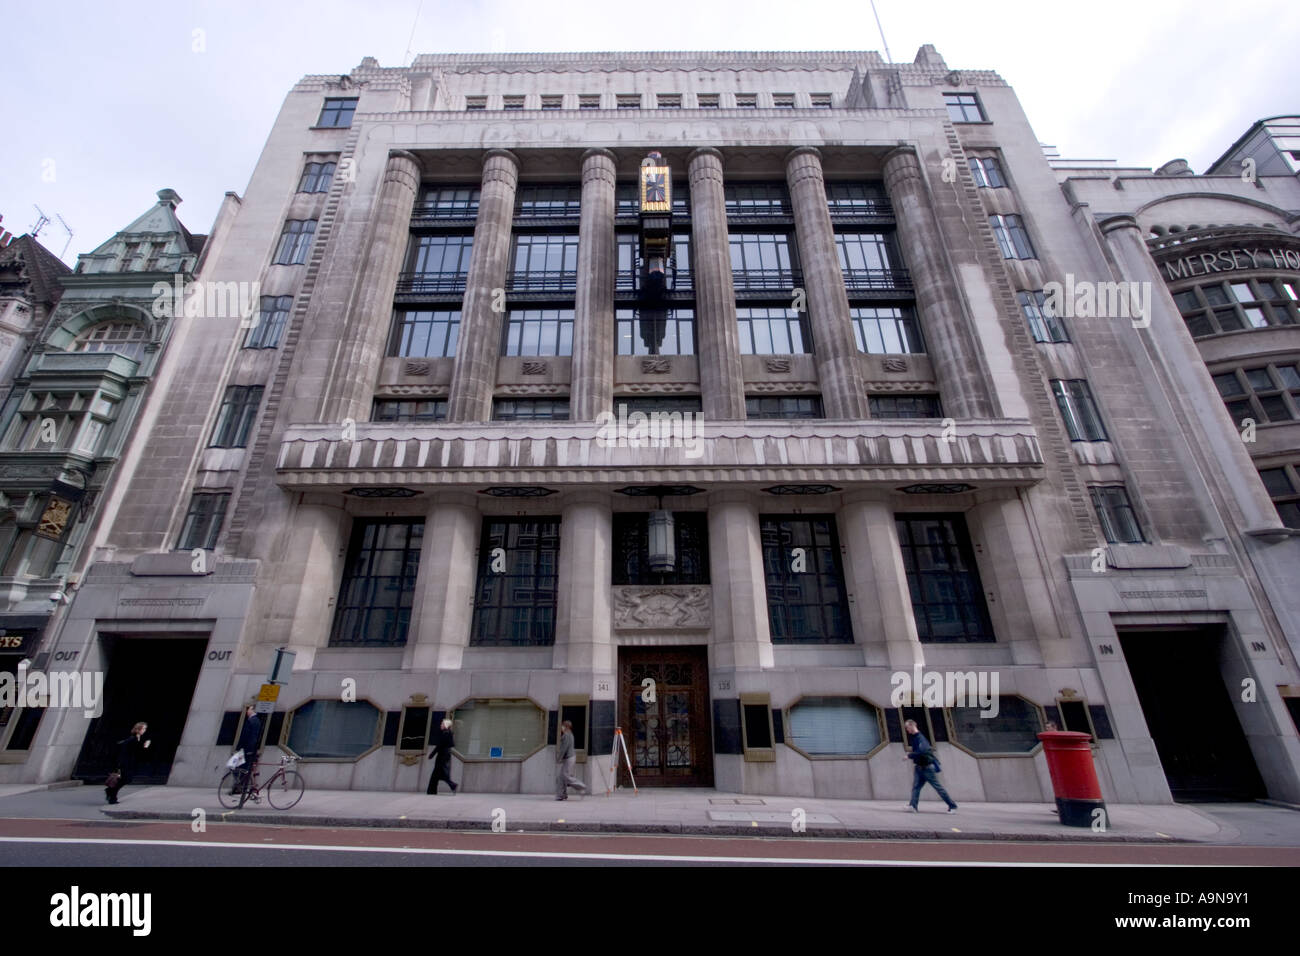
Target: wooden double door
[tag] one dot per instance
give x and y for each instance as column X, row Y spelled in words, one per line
column 664, row 710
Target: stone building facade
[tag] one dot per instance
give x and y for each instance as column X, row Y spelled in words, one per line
column 891, row 462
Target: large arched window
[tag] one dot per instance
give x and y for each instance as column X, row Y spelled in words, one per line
column 125, row 338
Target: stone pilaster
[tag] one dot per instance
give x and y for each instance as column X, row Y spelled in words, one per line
column 442, row 609
column 592, row 390
column 352, row 381
column 474, row 373
column 836, row 351
column 742, row 634
column 722, row 381
column 879, row 580
column 949, row 339
column 583, row 615
column 306, row 583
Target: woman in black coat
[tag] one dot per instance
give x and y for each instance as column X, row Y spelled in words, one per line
column 130, row 751
column 441, row 754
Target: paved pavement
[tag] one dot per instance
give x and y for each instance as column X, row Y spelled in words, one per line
column 677, row 811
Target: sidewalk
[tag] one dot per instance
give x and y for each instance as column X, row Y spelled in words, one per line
column 697, row 812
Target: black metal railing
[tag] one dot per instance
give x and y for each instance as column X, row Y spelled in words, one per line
column 444, row 212
column 566, row 281
column 758, row 280
column 895, row 280
column 678, row 280
column 418, row 283
column 559, row 210
column 872, row 208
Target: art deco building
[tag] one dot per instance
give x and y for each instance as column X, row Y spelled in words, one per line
column 906, row 463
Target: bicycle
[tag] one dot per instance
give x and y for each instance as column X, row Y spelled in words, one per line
column 283, row 790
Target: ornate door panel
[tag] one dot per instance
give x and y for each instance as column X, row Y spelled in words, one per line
column 666, row 723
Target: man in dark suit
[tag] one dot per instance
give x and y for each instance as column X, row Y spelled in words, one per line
column 443, row 742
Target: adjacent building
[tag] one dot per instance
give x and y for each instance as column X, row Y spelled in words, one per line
column 747, row 403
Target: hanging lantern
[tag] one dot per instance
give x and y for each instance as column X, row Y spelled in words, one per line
column 663, row 552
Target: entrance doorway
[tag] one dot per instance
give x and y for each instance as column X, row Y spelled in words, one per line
column 148, row 679
column 1179, row 680
column 668, row 737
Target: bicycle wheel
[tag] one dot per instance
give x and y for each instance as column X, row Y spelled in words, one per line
column 285, row 791
column 230, row 789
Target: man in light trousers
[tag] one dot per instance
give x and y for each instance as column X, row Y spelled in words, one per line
column 566, row 758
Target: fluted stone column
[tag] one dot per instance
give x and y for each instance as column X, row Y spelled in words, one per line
column 722, row 380
column 352, row 380
column 442, row 609
column 742, row 633
column 835, row 349
column 879, row 578
column 583, row 616
column 592, row 390
column 949, row 338
column 474, row 373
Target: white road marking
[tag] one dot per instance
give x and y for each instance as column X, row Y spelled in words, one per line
column 560, row 855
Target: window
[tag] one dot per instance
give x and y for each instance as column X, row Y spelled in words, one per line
column 629, row 101
column 763, row 261
column 589, row 101
column 707, row 101
column 783, row 101
column 130, row 252
column 987, row 172
column 1082, row 420
column 124, row 338
column 806, row 600
column 866, row 260
column 334, row 729
column 772, row 330
column 500, row 729
column 545, row 262
column 669, row 101
column 337, row 113
column 271, row 320
column 425, row 333
column 61, row 421
column 757, row 738
column 632, row 549
column 746, row 101
column 447, row 202
column 963, row 107
column 548, row 202
column 17, row 723
column 530, row 409
column 374, row 604
column 783, row 406
column 655, row 332
column 1283, row 486
column 662, row 405
column 834, row 727
column 856, row 199
column 1043, row 324
column 316, row 177
column 475, row 102
column 156, row 252
column 1233, row 306
column 552, row 102
column 1118, row 522
column 203, row 520
column 1270, row 393
column 1012, row 238
column 947, row 598
column 514, row 601
column 436, row 264
column 295, row 240
column 539, row 332
column 407, row 410
column 1013, row 730
column 29, row 553
column 886, row 330
column 821, row 101
column 771, row 199
column 905, row 406
column 235, row 419
column 512, row 103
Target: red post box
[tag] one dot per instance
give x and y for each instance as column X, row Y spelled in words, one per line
column 1074, row 777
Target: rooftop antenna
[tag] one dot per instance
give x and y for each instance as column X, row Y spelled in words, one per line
column 888, row 58
column 40, row 223
column 68, row 230
column 407, row 60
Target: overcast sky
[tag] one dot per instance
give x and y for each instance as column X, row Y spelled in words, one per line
column 109, row 102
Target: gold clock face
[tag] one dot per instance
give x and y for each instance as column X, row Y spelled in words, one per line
column 656, row 189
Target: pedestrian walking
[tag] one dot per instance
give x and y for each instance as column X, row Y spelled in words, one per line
column 443, row 742
column 250, row 738
column 926, row 769
column 130, row 750
column 566, row 758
